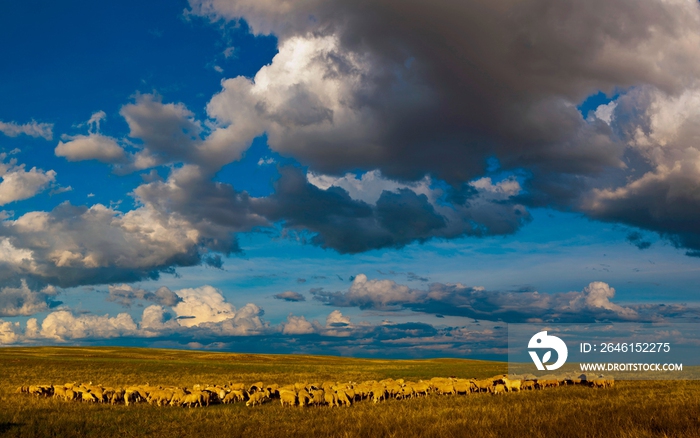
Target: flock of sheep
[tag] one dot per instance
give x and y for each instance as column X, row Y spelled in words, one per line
column 304, row 394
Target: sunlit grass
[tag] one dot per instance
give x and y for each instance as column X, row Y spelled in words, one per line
column 630, row 409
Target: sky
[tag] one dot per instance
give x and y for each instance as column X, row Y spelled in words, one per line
column 362, row 178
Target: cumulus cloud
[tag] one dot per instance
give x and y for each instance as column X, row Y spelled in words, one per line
column 91, row 147
column 200, row 305
column 156, row 320
column 125, row 295
column 661, row 192
column 22, row 300
column 516, row 65
column 32, row 129
column 10, row 332
column 336, row 319
column 446, row 86
column 593, row 303
column 290, row 296
column 168, row 132
column 205, row 307
column 178, row 222
column 79, row 245
column 199, row 312
column 294, row 335
column 297, row 325
column 368, row 294
column 63, row 326
column 18, row 184
column 214, row 209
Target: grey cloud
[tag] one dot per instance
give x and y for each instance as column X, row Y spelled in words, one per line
column 168, row 132
column 178, row 222
column 243, row 330
column 290, row 296
column 414, row 277
column 214, row 209
column 660, row 191
column 593, row 303
column 414, row 88
column 23, row 300
column 125, row 295
column 503, row 84
column 397, row 219
column 637, row 239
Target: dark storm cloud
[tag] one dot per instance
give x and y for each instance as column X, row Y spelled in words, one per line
column 410, row 88
column 484, row 77
column 441, row 87
column 397, row 219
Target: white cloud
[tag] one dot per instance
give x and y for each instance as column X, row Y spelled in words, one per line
column 293, row 99
column 10, row 332
column 94, row 121
column 101, row 237
column 297, row 325
column 369, row 186
column 14, row 256
column 18, row 184
column 380, row 293
column 606, row 112
column 201, row 305
column 93, row 146
column 32, row 129
column 597, row 295
column 336, row 320
column 63, row 326
column 154, row 321
column 246, row 321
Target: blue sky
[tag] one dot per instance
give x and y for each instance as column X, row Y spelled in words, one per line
column 336, row 180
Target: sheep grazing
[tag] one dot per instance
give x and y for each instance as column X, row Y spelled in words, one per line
column 332, row 394
column 255, row 387
column 193, row 399
column 288, row 398
column 511, row 385
column 257, row 398
column 498, row 389
column 527, row 385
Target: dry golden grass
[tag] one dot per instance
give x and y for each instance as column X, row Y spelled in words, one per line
column 630, row 409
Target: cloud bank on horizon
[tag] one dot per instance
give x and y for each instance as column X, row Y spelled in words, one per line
column 391, row 123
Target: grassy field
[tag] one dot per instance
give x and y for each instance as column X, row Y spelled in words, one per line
column 630, row 409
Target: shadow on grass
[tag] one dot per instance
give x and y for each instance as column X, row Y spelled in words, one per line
column 7, row 426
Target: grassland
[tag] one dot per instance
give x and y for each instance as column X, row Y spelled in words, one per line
column 630, row 409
